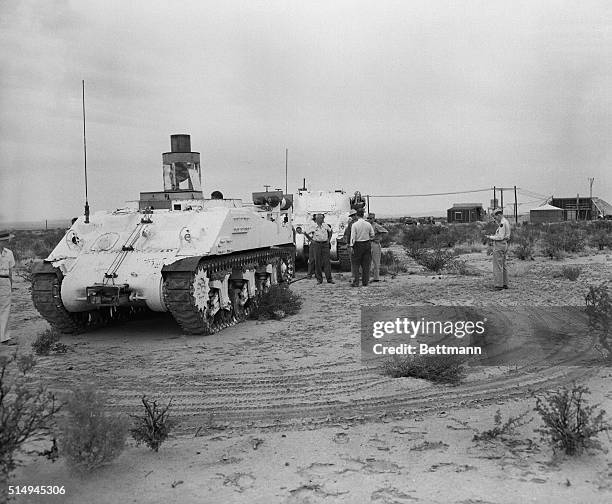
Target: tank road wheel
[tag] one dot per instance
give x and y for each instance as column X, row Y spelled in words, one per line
column 240, row 297
column 286, row 269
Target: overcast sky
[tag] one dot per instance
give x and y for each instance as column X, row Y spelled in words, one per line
column 387, row 97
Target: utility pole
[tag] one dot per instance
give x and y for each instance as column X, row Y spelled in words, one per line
column 501, row 198
column 494, row 198
column 591, row 180
column 286, row 165
column 515, row 207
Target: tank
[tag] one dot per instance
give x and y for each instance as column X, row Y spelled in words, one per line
column 335, row 205
column 206, row 261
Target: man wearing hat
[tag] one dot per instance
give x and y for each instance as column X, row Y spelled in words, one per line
column 379, row 231
column 500, row 250
column 7, row 263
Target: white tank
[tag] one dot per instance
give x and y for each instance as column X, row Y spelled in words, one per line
column 206, row 261
column 335, row 205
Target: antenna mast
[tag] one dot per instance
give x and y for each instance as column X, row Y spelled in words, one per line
column 85, row 159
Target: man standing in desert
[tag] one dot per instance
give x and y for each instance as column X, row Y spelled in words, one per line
column 379, row 231
column 7, row 263
column 500, row 250
column 362, row 234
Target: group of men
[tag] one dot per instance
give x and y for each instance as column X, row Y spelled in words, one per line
column 363, row 238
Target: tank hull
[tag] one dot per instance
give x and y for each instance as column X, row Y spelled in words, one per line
column 121, row 261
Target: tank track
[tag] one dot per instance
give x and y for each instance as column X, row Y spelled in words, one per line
column 178, row 287
column 46, row 296
column 344, row 256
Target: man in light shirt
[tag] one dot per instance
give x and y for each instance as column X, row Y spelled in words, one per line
column 362, row 233
column 7, row 263
column 320, row 242
column 500, row 250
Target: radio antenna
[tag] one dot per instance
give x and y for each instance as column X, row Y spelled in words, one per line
column 85, row 159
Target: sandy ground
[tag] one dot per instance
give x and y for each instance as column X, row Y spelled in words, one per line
column 286, row 411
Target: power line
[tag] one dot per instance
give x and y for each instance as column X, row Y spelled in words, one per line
column 429, row 194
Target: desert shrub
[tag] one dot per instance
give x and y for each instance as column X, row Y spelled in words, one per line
column 90, row 436
column 153, row 427
column 523, row 249
column 393, row 236
column 431, row 259
column 48, row 342
column 570, row 423
column 276, row 303
column 524, row 239
column 563, row 238
column 461, row 267
column 435, row 368
column 390, row 264
column 570, row 272
column 500, row 429
column 601, row 239
column 26, row 411
column 599, row 311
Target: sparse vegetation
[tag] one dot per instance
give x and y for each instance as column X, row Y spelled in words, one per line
column 390, row 264
column 500, row 428
column 49, row 342
column 90, row 436
column 153, row 427
column 570, row 272
column 432, row 259
column 277, row 303
column 436, row 368
column 599, row 310
column 35, row 244
column 570, row 423
column 26, row 411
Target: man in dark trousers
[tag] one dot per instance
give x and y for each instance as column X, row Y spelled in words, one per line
column 319, row 240
column 347, row 238
column 362, row 233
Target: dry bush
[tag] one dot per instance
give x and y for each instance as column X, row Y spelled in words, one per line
column 26, row 411
column 90, row 436
column 570, row 423
column 278, row 302
column 390, row 264
column 153, row 427
column 435, row 368
column 49, row 342
column 500, row 429
column 461, row 267
column 431, row 259
column 599, row 310
column 601, row 239
column 570, row 272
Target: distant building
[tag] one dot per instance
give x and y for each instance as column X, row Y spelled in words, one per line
column 546, row 213
column 582, row 208
column 465, row 212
